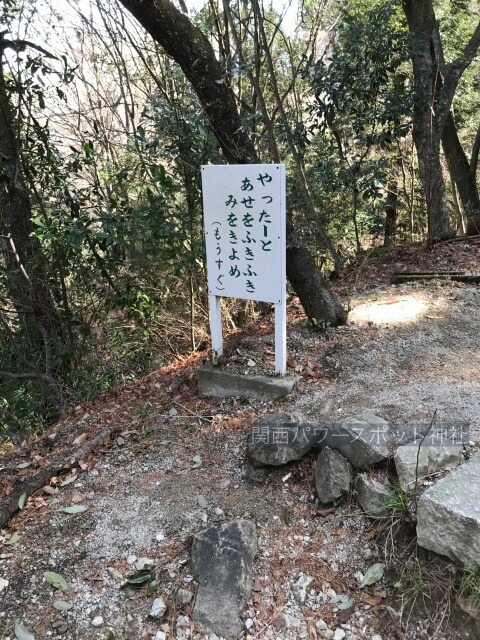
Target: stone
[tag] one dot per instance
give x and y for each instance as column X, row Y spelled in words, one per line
column 255, row 475
column 300, row 588
column 279, row 438
column 183, row 597
column 430, row 459
column 286, row 621
column 222, row 561
column 339, row 634
column 248, row 623
column 114, row 573
column 97, row 621
column 363, row 440
column 448, row 515
column 217, row 383
column 372, row 495
column 160, row 635
column 321, row 625
column 141, row 563
column 469, row 604
column 333, row 475
column 158, row 609
column 203, row 504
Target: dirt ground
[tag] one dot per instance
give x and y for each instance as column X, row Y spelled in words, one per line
column 178, row 464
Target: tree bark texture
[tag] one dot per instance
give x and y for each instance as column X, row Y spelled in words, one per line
column 463, row 175
column 26, row 277
column 421, row 21
column 391, row 202
column 435, row 83
column 192, row 51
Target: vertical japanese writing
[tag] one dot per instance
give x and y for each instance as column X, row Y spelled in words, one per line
column 244, row 214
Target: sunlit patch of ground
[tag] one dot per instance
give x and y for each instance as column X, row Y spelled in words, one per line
column 398, row 309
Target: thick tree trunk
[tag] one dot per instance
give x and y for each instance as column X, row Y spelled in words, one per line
column 192, row 51
column 431, row 175
column 426, row 134
column 39, row 322
column 462, row 174
column 435, row 83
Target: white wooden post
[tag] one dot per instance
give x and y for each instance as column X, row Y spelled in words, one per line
column 215, row 311
column 281, row 337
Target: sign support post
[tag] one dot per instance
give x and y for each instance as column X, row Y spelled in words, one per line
column 215, row 312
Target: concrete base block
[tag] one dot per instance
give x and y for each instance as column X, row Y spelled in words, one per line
column 217, row 383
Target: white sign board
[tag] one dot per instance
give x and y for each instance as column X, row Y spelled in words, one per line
column 244, row 213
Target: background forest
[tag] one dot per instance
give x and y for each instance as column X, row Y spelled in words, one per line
column 372, row 105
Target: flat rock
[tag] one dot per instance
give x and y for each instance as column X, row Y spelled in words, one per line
column 333, row 475
column 279, row 438
column 222, row 559
column 363, row 439
column 448, row 515
column 430, row 458
column 372, row 495
column 217, row 383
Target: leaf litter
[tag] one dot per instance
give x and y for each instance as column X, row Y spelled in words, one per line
column 150, row 483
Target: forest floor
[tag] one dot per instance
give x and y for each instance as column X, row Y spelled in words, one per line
column 178, row 463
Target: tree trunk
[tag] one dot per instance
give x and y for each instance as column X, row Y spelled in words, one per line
column 39, row 322
column 426, row 133
column 192, row 51
column 391, row 202
column 435, row 83
column 462, row 174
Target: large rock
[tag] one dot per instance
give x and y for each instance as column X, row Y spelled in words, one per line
column 372, row 495
column 448, row 515
column 333, row 475
column 222, row 559
column 420, row 459
column 279, row 438
column 363, row 439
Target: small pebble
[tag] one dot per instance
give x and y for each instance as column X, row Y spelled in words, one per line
column 248, row 623
column 97, row 621
column 158, row 608
column 339, row 634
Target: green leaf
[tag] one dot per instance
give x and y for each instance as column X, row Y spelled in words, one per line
column 343, row 602
column 197, row 460
column 14, row 538
column 56, row 580
column 373, row 574
column 23, row 465
column 140, row 578
column 22, row 500
column 76, row 508
column 62, row 605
